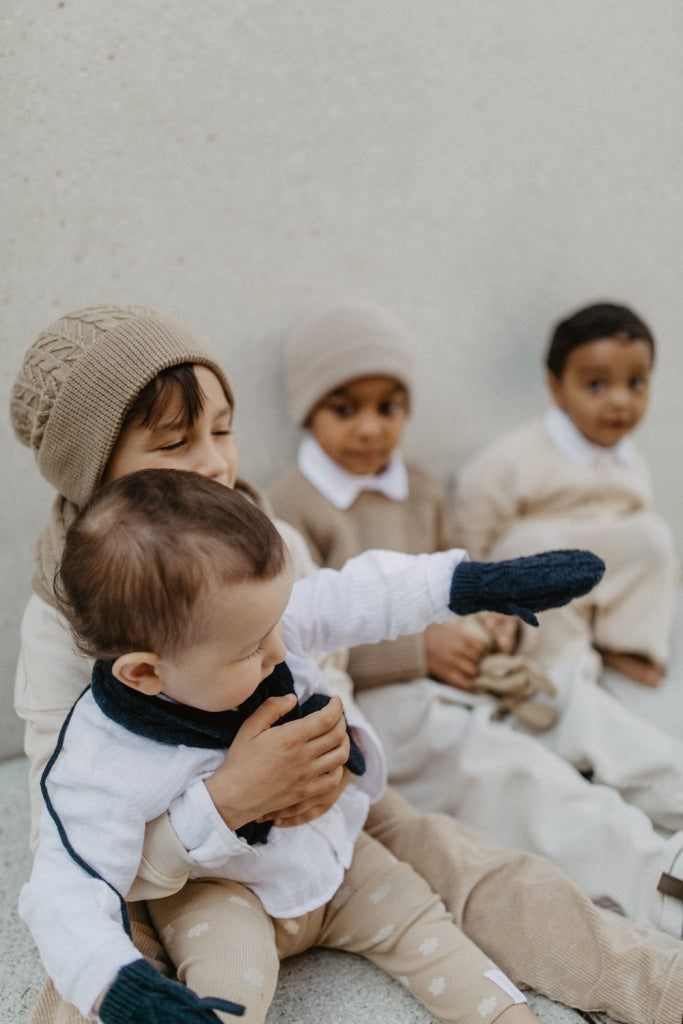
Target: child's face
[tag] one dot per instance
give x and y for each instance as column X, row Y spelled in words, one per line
column 605, row 387
column 361, row 423
column 207, row 447
column 242, row 645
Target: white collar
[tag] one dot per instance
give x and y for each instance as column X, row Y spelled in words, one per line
column 578, row 448
column 342, row 488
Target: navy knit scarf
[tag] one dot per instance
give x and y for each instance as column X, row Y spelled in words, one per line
column 169, row 722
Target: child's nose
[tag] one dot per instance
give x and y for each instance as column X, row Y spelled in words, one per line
column 369, row 424
column 210, row 460
column 276, row 650
column 620, row 396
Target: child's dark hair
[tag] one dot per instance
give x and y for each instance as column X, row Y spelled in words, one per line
column 145, row 553
column 602, row 320
column 154, row 399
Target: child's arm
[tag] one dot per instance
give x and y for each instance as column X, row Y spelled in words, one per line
column 381, row 594
column 99, row 792
column 76, row 922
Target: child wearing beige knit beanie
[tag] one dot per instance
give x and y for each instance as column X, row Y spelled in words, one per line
column 94, row 386
column 349, row 377
column 102, row 392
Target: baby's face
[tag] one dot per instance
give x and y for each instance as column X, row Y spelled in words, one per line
column 241, row 645
column 605, row 387
column 206, row 447
column 360, row 424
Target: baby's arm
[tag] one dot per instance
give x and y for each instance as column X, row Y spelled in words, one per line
column 382, row 594
column 65, row 909
column 76, row 922
column 90, row 845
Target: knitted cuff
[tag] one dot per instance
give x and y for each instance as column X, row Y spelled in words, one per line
column 141, row 995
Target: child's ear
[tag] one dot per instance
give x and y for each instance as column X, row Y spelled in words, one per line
column 139, row 670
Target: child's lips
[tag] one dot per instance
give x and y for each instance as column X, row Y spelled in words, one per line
column 616, row 425
column 368, row 456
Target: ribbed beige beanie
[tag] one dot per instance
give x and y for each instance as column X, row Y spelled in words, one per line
column 340, row 345
column 79, row 379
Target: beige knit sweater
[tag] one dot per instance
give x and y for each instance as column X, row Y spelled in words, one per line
column 524, row 475
column 416, row 525
column 522, row 494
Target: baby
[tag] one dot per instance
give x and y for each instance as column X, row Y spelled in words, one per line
column 182, row 589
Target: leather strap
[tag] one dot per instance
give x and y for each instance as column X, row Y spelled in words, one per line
column 670, row 886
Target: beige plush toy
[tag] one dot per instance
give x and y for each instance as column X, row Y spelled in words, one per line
column 513, row 679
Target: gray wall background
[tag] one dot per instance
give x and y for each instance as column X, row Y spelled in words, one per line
column 480, row 167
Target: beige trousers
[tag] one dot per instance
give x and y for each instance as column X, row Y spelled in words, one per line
column 519, row 909
column 383, row 911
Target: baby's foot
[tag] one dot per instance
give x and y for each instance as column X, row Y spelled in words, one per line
column 634, row 666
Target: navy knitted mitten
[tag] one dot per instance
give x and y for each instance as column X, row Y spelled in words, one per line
column 142, row 995
column 522, row 586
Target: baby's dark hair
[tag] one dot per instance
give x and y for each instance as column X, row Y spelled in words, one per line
column 602, row 320
column 146, row 552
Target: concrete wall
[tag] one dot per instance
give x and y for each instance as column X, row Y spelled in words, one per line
column 477, row 166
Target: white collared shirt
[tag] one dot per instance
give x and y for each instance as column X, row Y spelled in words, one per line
column 577, row 448
column 107, row 782
column 342, row 488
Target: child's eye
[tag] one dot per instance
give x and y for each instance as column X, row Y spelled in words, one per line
column 638, row 383
column 172, row 445
column 254, row 654
column 596, row 386
column 342, row 409
column 392, row 408
column 226, row 432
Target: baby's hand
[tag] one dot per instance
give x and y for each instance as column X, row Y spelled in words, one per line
column 522, row 586
column 140, row 994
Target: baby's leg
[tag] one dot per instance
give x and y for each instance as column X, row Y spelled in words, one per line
column 387, row 913
column 221, row 940
column 534, row 923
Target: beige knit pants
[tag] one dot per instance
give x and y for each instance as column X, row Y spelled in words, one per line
column 518, row 908
column 383, row 911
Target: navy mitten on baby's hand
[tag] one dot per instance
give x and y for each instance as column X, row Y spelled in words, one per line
column 142, row 995
column 522, row 586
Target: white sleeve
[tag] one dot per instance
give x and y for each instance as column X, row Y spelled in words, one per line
column 102, row 791
column 75, row 921
column 201, row 830
column 378, row 595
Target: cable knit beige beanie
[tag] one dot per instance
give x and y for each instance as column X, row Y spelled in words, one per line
column 340, row 345
column 79, row 379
